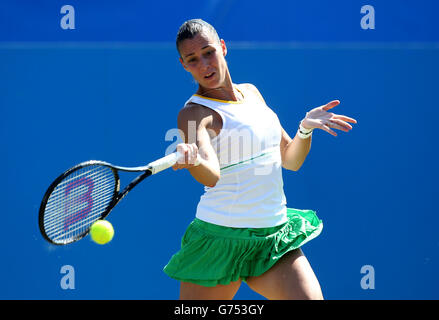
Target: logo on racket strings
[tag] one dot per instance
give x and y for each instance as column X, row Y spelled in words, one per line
column 75, row 200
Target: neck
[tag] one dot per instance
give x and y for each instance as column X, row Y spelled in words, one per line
column 224, row 92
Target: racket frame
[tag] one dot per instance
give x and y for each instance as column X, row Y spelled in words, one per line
column 117, row 196
column 150, row 169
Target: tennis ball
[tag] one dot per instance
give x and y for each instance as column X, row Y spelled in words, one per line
column 101, row 231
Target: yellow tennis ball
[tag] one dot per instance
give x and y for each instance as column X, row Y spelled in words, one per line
column 101, row 231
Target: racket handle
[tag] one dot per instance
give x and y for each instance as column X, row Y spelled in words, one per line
column 168, row 161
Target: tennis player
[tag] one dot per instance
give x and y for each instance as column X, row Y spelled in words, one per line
column 243, row 230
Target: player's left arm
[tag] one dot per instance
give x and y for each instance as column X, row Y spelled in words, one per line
column 294, row 151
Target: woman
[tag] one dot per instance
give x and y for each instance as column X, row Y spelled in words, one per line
column 235, row 146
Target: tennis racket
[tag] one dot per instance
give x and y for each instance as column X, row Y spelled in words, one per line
column 86, row 193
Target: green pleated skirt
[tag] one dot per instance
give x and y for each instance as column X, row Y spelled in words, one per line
column 211, row 254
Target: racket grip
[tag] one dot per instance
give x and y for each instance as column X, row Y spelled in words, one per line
column 168, row 161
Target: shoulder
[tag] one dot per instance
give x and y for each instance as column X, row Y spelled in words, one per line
column 248, row 86
column 252, row 88
column 194, row 111
column 201, row 115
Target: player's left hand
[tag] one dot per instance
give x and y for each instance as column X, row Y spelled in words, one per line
column 320, row 118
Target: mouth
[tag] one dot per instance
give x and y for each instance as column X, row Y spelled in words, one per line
column 210, row 75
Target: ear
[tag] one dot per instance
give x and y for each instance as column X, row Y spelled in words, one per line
column 183, row 64
column 223, row 47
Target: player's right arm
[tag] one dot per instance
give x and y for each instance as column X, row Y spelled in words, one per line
column 194, row 122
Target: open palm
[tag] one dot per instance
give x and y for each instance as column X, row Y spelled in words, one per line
column 320, row 118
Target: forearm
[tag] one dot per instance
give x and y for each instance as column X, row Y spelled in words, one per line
column 295, row 153
column 207, row 172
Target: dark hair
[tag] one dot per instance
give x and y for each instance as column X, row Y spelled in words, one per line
column 191, row 28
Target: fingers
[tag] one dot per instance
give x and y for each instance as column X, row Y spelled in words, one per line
column 336, row 121
column 189, row 156
column 320, row 118
column 331, row 105
column 335, row 124
column 344, row 118
column 327, row 129
column 340, row 124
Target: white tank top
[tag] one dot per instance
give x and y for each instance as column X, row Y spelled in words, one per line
column 249, row 193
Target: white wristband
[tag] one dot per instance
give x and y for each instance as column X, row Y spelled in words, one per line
column 304, row 133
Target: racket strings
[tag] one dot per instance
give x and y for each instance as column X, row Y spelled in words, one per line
column 78, row 201
column 60, row 193
column 52, row 224
column 52, row 220
column 72, row 179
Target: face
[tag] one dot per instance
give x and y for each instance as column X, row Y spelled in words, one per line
column 203, row 57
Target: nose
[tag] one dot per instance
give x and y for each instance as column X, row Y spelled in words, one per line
column 204, row 64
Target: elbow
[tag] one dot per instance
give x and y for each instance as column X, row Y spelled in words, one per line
column 212, row 183
column 292, row 167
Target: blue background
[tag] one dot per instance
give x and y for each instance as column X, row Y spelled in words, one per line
column 111, row 89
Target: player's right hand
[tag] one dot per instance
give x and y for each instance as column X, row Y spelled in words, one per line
column 190, row 156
